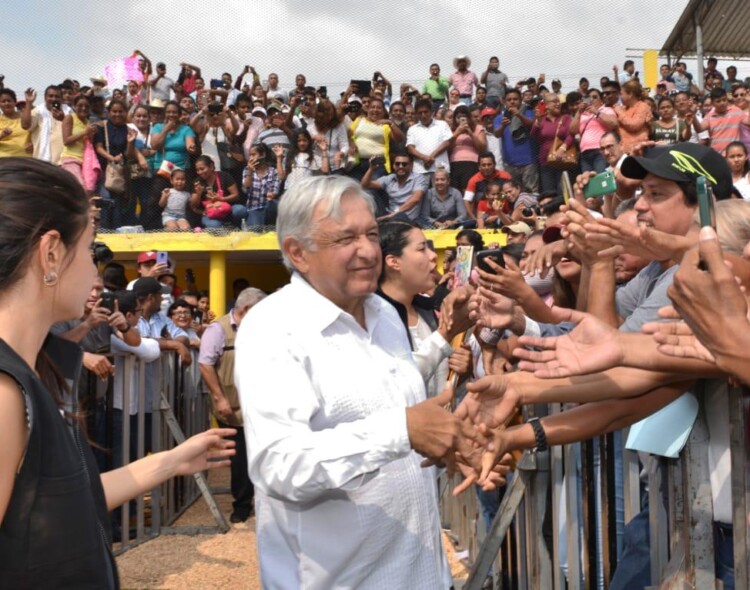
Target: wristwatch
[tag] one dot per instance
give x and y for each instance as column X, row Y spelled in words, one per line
column 541, row 438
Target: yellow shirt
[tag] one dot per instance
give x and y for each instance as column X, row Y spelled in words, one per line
column 15, row 143
column 75, row 150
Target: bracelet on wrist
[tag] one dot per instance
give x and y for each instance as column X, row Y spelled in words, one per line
column 126, row 330
column 539, row 435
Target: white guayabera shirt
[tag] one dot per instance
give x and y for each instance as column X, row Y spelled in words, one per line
column 341, row 499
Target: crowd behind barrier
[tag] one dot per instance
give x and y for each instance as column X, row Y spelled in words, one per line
column 561, row 529
column 577, row 514
column 194, row 153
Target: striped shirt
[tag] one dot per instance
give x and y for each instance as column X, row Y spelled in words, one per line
column 725, row 128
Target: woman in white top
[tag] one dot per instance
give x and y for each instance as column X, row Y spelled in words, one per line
column 218, row 126
column 409, row 270
column 327, row 126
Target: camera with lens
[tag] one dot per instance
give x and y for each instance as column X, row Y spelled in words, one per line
column 101, row 253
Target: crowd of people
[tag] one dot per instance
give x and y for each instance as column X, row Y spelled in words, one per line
column 357, row 348
column 193, row 153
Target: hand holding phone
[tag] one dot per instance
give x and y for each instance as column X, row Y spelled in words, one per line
column 495, row 255
column 706, row 206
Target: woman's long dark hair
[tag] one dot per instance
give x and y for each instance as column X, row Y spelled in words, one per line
column 294, row 150
column 37, row 197
column 394, row 237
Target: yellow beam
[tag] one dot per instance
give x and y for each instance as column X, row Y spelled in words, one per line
column 243, row 241
column 650, row 68
column 217, row 282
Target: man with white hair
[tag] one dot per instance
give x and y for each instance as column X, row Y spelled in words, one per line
column 335, row 408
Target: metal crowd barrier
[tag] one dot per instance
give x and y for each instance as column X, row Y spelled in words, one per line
column 177, row 410
column 524, row 547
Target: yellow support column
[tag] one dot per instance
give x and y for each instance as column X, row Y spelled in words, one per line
column 650, row 68
column 217, row 282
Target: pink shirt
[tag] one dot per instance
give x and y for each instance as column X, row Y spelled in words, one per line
column 592, row 129
column 464, row 149
column 464, row 82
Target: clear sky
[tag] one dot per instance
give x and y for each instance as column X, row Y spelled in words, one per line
column 331, row 41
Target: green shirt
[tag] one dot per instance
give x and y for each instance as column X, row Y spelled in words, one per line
column 437, row 89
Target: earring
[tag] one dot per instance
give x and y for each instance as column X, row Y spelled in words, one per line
column 50, row 279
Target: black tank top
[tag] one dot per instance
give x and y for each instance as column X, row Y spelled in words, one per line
column 56, row 529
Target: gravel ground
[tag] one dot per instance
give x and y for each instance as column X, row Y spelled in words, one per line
column 209, row 562
column 196, row 562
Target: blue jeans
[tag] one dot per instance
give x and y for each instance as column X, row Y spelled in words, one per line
column 593, row 161
column 634, row 565
column 120, row 209
column 724, row 554
column 256, row 217
column 239, row 212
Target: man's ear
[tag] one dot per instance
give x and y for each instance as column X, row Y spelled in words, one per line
column 296, row 253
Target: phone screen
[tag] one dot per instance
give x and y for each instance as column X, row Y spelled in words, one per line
column 162, row 258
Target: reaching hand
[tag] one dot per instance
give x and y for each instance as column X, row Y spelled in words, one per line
column 677, row 339
column 99, row 365
column 492, row 400
column 591, row 347
column 460, row 361
column 437, row 434
column 577, row 217
column 491, row 310
column 506, row 281
column 207, row 450
column 618, row 237
column 707, row 296
column 545, row 258
column 454, row 312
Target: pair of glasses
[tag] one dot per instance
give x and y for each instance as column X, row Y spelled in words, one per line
column 182, row 313
column 401, row 164
column 740, row 95
column 605, row 92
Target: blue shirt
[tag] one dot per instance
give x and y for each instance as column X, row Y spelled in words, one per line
column 516, row 153
column 174, row 149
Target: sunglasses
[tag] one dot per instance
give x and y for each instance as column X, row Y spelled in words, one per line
column 609, row 92
column 401, row 164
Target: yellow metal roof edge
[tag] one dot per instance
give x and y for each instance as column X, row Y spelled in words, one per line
column 248, row 241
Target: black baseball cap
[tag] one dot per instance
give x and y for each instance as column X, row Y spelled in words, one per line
column 146, row 286
column 682, row 162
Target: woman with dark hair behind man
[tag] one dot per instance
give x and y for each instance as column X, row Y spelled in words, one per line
column 53, row 500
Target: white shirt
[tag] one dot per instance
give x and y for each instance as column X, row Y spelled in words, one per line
column 341, row 499
column 148, row 351
column 425, row 140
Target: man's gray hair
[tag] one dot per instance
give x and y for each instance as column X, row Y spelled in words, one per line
column 249, row 297
column 298, row 204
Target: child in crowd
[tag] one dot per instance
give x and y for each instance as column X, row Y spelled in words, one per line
column 174, row 202
column 301, row 162
column 491, row 208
